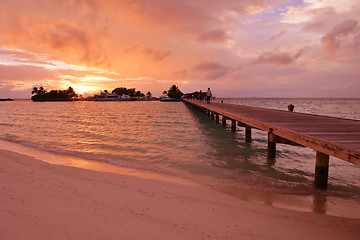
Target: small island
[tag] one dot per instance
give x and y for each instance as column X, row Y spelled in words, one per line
column 6, row 99
column 118, row 94
column 42, row 95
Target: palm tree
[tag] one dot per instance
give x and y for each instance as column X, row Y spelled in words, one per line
column 35, row 90
column 41, row 90
column 38, row 91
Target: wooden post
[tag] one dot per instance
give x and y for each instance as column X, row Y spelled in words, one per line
column 212, row 115
column 208, row 113
column 321, row 170
column 217, row 118
column 233, row 125
column 271, row 146
column 223, row 120
column 247, row 134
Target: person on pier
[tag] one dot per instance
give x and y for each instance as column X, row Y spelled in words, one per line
column 200, row 95
column 208, row 95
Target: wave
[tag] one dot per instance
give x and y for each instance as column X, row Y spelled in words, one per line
column 83, row 156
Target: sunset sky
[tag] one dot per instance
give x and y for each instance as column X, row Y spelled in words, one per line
column 238, row 48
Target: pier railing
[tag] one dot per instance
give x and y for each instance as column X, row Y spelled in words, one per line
column 329, row 136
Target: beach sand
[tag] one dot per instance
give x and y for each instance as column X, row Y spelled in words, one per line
column 40, row 200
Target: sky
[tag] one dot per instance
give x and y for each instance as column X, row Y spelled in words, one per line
column 247, row 48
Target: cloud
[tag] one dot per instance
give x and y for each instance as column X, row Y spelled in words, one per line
column 333, row 39
column 25, row 73
column 277, row 58
column 273, row 37
column 209, row 70
column 14, row 55
column 228, row 42
column 153, row 54
column 59, row 37
column 217, row 35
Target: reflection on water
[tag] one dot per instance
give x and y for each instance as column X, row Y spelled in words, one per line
column 320, row 202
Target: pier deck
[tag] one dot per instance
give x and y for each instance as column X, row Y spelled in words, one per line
column 332, row 136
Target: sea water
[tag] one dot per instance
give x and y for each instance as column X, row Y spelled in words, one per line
column 173, row 138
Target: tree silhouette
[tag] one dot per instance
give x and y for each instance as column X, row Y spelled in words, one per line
column 54, row 95
column 174, row 92
column 130, row 92
column 120, row 91
column 35, row 90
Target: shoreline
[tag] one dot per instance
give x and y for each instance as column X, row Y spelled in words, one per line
column 44, row 200
column 316, row 202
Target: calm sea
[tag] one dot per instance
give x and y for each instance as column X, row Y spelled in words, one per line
column 172, row 138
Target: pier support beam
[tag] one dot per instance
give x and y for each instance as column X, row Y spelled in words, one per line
column 321, row 170
column 247, row 134
column 212, row 115
column 224, row 120
column 217, row 118
column 208, row 113
column 271, row 146
column 233, row 125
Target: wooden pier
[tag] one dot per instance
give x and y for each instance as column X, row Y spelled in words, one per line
column 329, row 136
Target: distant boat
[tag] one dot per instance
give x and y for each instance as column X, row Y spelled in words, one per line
column 165, row 98
column 112, row 97
column 6, row 99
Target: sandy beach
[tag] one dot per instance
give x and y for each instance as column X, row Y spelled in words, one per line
column 40, row 200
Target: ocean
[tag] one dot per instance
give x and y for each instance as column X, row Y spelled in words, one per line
column 173, row 138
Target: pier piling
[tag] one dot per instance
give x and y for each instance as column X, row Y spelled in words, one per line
column 271, row 146
column 224, row 120
column 233, row 125
column 321, row 170
column 247, row 134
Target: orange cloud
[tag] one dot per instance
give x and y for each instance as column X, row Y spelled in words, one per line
column 155, row 55
column 60, row 37
column 152, row 44
column 21, row 56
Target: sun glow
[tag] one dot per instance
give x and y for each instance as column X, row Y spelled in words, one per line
column 81, row 89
